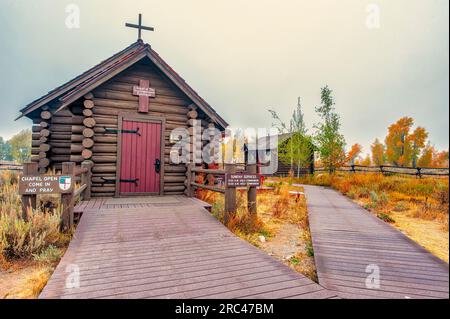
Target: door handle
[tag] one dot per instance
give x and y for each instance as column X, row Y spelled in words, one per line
column 157, row 165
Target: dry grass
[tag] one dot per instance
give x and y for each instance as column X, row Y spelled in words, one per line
column 31, row 245
column 25, row 283
column 417, row 207
column 282, row 219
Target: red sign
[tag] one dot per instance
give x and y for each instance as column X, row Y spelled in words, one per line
column 144, row 91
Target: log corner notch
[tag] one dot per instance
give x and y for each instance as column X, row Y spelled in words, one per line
column 89, row 124
column 44, row 135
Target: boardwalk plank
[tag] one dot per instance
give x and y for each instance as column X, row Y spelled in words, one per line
column 346, row 239
column 167, row 247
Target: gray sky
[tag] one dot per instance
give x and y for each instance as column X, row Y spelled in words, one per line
column 246, row 56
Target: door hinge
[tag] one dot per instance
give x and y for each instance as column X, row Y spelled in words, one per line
column 134, row 181
column 114, row 130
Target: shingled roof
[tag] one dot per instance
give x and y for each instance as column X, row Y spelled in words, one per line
column 69, row 92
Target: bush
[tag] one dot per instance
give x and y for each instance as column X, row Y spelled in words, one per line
column 49, row 255
column 281, row 206
column 401, row 207
column 374, row 198
column 25, row 238
column 386, row 218
column 21, row 238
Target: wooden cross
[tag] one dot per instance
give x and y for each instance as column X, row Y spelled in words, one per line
column 144, row 91
column 139, row 26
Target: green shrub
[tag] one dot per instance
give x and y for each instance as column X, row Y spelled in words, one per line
column 49, row 255
column 374, row 197
column 309, row 248
column 386, row 218
column 401, row 207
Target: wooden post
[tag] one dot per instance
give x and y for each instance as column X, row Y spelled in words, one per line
column 68, row 168
column 251, row 194
column 29, row 201
column 86, row 178
column 311, row 163
column 190, row 175
column 419, row 172
column 230, row 195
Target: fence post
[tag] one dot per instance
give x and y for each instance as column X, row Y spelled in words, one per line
column 29, row 201
column 230, row 195
column 67, row 199
column 419, row 172
column 251, row 194
column 189, row 187
column 86, row 178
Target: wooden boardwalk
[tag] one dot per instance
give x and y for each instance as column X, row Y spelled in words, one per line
column 350, row 244
column 167, row 247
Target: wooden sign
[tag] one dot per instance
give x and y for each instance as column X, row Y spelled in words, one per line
column 242, row 180
column 138, row 90
column 144, row 91
column 45, row 184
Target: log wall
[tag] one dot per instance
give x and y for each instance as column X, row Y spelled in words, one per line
column 85, row 130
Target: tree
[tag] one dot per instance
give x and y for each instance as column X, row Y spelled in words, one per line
column 366, row 161
column 440, row 159
column 396, row 141
column 328, row 139
column 21, row 146
column 417, row 143
column 402, row 147
column 426, row 159
column 378, row 154
column 353, row 153
column 5, row 150
column 297, row 148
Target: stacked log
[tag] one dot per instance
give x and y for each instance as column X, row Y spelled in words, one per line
column 44, row 136
column 194, row 138
column 97, row 144
column 74, row 121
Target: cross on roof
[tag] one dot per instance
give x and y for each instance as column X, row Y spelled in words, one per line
column 139, row 26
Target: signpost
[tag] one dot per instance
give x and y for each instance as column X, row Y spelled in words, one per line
column 45, row 184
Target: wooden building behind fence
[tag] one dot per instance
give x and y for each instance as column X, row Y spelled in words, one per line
column 119, row 115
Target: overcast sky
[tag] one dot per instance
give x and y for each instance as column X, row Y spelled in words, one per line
column 246, row 56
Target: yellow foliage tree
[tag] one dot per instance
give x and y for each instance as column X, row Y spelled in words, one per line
column 378, row 154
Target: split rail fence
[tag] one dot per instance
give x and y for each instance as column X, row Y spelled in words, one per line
column 389, row 170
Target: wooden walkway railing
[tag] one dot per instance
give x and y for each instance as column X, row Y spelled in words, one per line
column 229, row 192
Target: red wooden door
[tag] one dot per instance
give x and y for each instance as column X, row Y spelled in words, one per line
column 139, row 158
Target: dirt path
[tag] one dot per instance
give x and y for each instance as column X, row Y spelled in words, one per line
column 289, row 247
